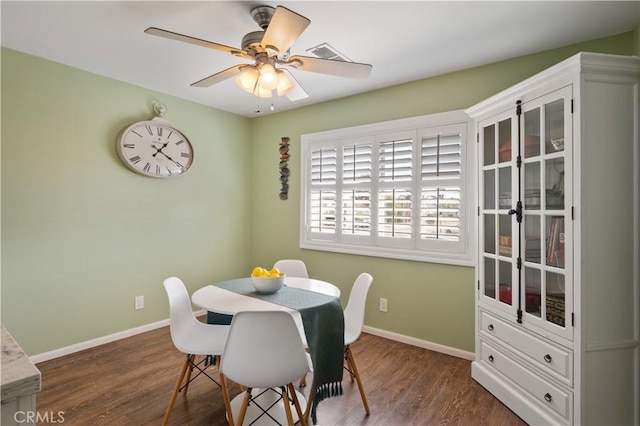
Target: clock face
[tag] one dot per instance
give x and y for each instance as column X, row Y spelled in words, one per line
column 155, row 149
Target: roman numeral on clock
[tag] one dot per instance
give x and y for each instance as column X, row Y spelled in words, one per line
column 135, row 159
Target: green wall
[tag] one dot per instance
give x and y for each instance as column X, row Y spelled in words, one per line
column 82, row 235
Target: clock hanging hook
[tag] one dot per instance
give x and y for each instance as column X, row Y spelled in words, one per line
column 160, row 109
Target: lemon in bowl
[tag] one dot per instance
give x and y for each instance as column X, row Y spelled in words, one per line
column 267, row 281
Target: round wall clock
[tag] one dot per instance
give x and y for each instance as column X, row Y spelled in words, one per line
column 155, row 148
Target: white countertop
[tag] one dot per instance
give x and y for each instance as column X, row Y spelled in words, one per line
column 19, row 376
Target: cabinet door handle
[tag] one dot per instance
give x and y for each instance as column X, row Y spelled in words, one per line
column 548, row 358
column 547, row 397
column 490, row 327
column 490, row 358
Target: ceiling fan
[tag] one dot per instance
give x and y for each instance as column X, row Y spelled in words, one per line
column 268, row 50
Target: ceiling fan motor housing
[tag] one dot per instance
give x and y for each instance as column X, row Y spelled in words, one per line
column 262, row 15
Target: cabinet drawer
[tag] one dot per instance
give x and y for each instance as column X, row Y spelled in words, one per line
column 544, row 393
column 555, row 360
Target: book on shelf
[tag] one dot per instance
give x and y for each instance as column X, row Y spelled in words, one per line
column 555, row 243
column 504, row 245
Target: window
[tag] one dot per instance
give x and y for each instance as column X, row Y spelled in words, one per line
column 397, row 189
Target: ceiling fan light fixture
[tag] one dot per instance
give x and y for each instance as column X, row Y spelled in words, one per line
column 284, row 84
column 248, row 78
column 268, row 77
column 262, row 92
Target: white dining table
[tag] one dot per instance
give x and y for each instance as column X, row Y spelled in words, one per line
column 216, row 299
column 219, row 300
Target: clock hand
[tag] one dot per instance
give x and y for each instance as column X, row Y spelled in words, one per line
column 158, row 149
column 169, row 158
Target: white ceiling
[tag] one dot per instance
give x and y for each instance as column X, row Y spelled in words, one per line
column 404, row 41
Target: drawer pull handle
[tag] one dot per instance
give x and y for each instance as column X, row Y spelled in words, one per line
column 490, row 327
column 490, row 358
column 548, row 358
column 547, row 397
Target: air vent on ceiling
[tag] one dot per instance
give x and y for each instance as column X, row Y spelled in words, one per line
column 325, row 51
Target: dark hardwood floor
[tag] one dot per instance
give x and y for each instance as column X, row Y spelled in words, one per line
column 129, row 382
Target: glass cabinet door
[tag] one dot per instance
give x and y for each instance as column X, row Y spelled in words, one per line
column 496, row 228
column 546, row 127
column 537, row 291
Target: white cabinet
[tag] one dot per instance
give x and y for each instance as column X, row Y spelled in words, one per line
column 558, row 294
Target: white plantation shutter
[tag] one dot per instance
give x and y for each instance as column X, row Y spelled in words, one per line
column 392, row 189
column 441, row 163
column 395, row 161
column 324, row 168
column 356, row 192
column 356, row 164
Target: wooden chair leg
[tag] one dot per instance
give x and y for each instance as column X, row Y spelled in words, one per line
column 354, row 368
column 192, row 359
column 287, row 406
column 296, row 403
column 307, row 410
column 227, row 400
column 243, row 407
column 176, row 389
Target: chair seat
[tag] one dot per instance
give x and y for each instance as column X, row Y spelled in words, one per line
column 202, row 339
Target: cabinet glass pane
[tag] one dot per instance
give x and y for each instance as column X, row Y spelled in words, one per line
column 505, row 295
column 532, row 287
column 489, row 189
column 504, row 140
column 554, row 120
column 532, row 247
column 504, row 237
column 532, row 133
column 555, row 241
column 555, row 298
column 489, row 138
column 504, row 176
column 532, row 186
column 490, row 277
column 554, row 176
column 490, row 233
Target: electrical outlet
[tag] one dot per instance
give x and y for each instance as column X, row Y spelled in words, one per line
column 383, row 304
column 139, row 302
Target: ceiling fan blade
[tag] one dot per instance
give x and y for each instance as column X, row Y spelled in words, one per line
column 296, row 93
column 333, row 67
column 197, row 41
column 218, row 77
column 285, row 28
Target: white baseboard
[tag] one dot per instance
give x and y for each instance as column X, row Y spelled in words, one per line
column 56, row 353
column 67, row 350
column 436, row 347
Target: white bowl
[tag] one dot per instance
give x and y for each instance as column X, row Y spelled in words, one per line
column 266, row 285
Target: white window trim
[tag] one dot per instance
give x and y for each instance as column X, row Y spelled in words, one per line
column 462, row 252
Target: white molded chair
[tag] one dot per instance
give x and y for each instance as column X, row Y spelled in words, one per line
column 264, row 351
column 292, row 267
column 353, row 323
column 192, row 337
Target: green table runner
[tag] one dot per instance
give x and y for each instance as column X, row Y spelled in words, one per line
column 323, row 321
